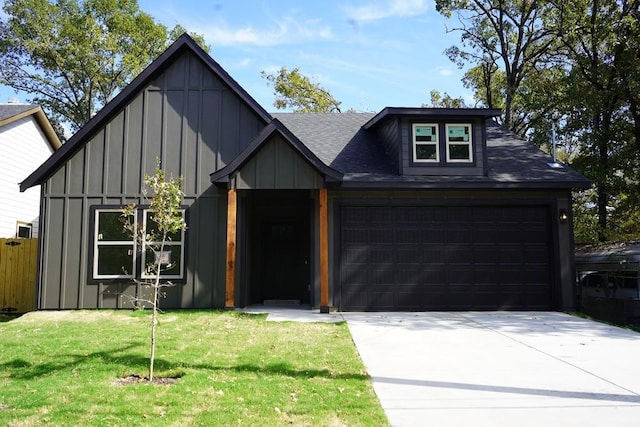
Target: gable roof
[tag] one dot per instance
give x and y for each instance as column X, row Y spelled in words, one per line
column 223, row 176
column 341, row 141
column 184, row 44
column 10, row 113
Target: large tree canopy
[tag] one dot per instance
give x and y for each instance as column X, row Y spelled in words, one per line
column 504, row 41
column 73, row 56
column 296, row 91
column 578, row 61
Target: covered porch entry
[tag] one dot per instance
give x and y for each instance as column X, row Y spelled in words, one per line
column 277, row 222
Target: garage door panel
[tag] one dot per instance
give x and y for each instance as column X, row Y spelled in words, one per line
column 435, row 235
column 444, row 258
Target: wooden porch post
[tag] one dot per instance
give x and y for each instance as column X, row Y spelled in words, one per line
column 232, row 209
column 324, row 252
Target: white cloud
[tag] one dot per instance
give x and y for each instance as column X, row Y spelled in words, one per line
column 445, row 71
column 244, row 63
column 387, row 9
column 288, row 30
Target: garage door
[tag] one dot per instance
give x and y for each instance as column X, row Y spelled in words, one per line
column 445, row 258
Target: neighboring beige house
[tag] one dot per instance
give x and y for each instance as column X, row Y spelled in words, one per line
column 26, row 140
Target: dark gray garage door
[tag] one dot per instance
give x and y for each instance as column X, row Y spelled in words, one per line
column 445, row 258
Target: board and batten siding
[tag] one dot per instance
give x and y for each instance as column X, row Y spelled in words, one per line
column 278, row 166
column 190, row 120
column 23, row 147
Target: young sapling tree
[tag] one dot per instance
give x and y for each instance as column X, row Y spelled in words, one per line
column 164, row 221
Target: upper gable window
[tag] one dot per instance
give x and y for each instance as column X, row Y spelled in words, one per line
column 459, row 144
column 426, row 143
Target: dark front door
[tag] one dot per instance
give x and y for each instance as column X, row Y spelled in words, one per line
column 284, row 272
column 281, row 247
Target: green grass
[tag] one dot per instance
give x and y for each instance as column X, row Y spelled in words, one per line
column 61, row 368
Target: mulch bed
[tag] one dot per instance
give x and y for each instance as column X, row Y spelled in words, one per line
column 137, row 379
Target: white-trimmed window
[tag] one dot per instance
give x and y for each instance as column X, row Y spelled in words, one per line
column 114, row 248
column 23, row 230
column 425, row 142
column 117, row 255
column 171, row 256
column 459, row 143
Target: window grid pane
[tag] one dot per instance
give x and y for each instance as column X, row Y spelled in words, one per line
column 115, row 260
column 114, row 247
column 459, row 143
column 425, row 142
column 172, row 250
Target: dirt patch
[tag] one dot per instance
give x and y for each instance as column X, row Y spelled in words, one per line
column 137, row 379
column 75, row 316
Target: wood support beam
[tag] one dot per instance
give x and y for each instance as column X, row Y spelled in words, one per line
column 324, row 251
column 232, row 210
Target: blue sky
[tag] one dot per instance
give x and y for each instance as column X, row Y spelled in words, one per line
column 368, row 53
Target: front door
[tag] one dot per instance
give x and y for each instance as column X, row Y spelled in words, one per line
column 281, row 248
column 285, row 260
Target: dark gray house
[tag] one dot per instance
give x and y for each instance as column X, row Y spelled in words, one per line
column 407, row 209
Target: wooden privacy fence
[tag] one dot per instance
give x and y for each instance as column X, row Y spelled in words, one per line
column 18, row 269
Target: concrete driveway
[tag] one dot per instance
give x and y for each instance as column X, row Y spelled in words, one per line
column 500, row 369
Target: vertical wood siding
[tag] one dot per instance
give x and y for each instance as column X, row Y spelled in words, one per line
column 18, row 274
column 278, row 166
column 189, row 120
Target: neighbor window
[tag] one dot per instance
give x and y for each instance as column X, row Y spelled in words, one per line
column 23, row 230
column 117, row 255
column 459, row 143
column 114, row 247
column 425, row 143
column 171, row 257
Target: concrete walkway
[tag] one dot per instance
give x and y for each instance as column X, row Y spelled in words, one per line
column 500, row 369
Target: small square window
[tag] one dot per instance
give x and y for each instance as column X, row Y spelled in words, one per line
column 23, row 230
column 425, row 143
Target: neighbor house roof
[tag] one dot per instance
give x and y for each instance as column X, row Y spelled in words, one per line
column 10, row 113
column 341, row 141
column 180, row 46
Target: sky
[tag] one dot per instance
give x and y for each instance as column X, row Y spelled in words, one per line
column 369, row 54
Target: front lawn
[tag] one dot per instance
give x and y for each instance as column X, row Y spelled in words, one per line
column 65, row 368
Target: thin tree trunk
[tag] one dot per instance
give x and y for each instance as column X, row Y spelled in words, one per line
column 603, row 127
column 154, row 322
column 154, row 306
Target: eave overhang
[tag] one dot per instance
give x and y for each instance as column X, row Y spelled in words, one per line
column 387, row 112
column 42, row 120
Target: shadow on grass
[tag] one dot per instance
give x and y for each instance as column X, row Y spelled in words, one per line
column 24, row 370
column 6, row 317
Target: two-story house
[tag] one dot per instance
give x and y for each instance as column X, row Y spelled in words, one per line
column 407, row 209
column 26, row 140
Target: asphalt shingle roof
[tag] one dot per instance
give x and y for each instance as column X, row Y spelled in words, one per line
column 339, row 140
column 9, row 110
